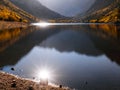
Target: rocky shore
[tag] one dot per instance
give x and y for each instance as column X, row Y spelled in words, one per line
column 12, row 82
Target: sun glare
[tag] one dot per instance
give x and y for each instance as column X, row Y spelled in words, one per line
column 41, row 24
column 44, row 74
column 44, row 24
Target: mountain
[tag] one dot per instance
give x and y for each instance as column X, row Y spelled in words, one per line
column 102, row 11
column 10, row 12
column 35, row 8
column 99, row 4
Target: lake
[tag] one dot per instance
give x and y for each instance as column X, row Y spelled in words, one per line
column 84, row 57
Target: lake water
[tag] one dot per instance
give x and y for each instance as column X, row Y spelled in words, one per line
column 84, row 57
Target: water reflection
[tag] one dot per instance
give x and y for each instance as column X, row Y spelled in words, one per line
column 27, row 39
column 69, row 40
column 10, row 36
column 80, row 56
column 71, row 69
column 8, row 46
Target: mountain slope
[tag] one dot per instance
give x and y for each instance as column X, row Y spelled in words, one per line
column 112, row 16
column 35, row 8
column 9, row 12
column 99, row 4
column 103, row 11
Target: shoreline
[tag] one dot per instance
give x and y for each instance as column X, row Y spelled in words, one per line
column 9, row 25
column 12, row 82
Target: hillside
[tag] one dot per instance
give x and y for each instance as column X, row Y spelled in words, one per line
column 112, row 16
column 9, row 12
column 35, row 8
column 103, row 11
column 99, row 4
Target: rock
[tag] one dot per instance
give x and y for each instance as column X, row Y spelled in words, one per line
column 30, row 87
column 12, row 69
column 60, row 86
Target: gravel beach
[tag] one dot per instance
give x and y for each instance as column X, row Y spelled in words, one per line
column 12, row 82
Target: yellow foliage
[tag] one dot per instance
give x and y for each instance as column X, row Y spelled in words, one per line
column 93, row 21
column 7, row 35
column 111, row 30
column 112, row 16
column 8, row 15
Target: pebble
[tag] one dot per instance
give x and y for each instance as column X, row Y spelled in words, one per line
column 12, row 69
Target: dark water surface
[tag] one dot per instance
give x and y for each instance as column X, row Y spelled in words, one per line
column 81, row 57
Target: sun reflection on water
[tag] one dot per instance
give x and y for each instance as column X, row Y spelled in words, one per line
column 41, row 24
column 46, row 24
column 45, row 73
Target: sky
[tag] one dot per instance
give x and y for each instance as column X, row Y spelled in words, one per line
column 67, row 7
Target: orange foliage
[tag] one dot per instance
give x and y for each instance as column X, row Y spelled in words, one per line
column 8, row 15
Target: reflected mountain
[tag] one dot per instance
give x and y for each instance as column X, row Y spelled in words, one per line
column 9, row 52
column 91, row 40
column 15, row 43
column 107, row 39
column 76, row 54
column 71, row 41
column 10, row 36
